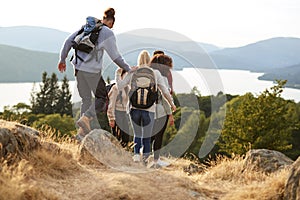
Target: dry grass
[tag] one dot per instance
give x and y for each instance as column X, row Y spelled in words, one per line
column 226, row 175
column 54, row 172
column 271, row 188
column 18, row 182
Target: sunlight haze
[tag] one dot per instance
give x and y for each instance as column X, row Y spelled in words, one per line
column 229, row 23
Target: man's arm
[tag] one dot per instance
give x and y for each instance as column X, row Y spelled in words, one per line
column 65, row 51
column 111, row 48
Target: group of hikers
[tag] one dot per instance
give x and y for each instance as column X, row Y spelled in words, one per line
column 141, row 98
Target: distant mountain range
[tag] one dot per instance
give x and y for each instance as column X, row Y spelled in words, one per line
column 33, row 38
column 260, row 56
column 26, row 51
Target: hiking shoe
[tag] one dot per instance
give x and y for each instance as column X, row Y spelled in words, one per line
column 84, row 123
column 80, row 135
column 79, row 138
column 136, row 158
column 81, row 132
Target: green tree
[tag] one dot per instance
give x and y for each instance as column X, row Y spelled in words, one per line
column 17, row 112
column 185, row 135
column 46, row 100
column 52, row 95
column 187, row 100
column 202, row 129
column 294, row 153
column 62, row 125
column 262, row 122
column 21, row 108
column 212, row 127
column 51, row 98
column 64, row 104
column 195, row 91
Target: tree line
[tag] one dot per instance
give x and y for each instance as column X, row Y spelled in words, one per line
column 237, row 123
column 51, row 107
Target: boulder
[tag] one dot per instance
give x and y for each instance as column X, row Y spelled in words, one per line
column 101, row 147
column 265, row 160
column 16, row 139
column 292, row 185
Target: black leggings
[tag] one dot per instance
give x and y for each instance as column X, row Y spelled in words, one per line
column 101, row 96
column 159, row 128
column 101, row 99
column 121, row 129
column 122, row 136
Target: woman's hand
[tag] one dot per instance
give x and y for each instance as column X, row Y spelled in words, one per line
column 173, row 108
column 112, row 123
column 171, row 120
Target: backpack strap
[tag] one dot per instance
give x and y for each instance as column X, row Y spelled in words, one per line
column 156, row 89
column 77, row 56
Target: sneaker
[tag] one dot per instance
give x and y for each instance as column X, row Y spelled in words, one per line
column 162, row 163
column 145, row 161
column 153, row 165
column 84, row 123
column 136, row 158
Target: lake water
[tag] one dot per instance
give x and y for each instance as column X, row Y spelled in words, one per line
column 207, row 81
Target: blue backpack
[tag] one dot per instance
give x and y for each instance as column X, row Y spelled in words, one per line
column 87, row 36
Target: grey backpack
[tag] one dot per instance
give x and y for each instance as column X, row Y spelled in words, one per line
column 143, row 88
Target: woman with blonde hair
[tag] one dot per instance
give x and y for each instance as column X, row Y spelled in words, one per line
column 143, row 118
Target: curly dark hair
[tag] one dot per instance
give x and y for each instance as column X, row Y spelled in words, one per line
column 162, row 63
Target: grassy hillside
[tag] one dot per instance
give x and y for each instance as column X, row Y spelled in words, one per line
column 20, row 65
column 54, row 171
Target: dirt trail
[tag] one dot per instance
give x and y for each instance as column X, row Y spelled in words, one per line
column 92, row 182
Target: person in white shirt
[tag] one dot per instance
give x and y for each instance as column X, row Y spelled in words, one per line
column 117, row 111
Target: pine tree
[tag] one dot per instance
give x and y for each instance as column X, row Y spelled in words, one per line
column 52, row 95
column 38, row 99
column 44, row 102
column 64, row 104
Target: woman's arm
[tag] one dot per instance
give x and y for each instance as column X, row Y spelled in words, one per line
column 112, row 95
column 164, row 90
column 112, row 50
column 122, row 83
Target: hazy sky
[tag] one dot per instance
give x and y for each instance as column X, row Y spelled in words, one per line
column 225, row 23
